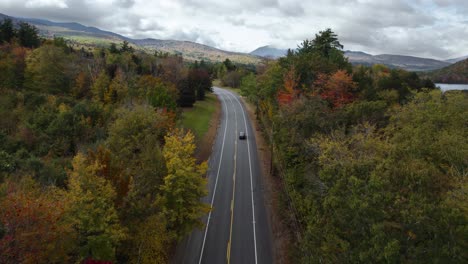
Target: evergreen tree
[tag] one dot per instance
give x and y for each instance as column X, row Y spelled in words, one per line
column 7, row 31
column 28, row 35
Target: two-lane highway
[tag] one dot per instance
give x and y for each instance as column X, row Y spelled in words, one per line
column 237, row 228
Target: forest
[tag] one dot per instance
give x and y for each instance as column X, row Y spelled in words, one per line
column 94, row 167
column 373, row 160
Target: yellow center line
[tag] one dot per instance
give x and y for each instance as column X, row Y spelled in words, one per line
column 228, row 256
column 232, row 202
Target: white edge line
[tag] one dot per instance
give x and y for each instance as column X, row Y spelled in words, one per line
column 214, row 190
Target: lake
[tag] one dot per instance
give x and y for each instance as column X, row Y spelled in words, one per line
column 445, row 87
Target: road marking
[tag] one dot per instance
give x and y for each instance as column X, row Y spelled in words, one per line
column 228, row 256
column 216, row 184
column 251, row 181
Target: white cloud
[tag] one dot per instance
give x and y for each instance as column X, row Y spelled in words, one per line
column 430, row 28
column 45, row 3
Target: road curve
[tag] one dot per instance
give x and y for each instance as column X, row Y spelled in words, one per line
column 237, row 229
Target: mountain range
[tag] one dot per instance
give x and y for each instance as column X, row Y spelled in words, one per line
column 410, row 63
column 91, row 36
column 81, row 35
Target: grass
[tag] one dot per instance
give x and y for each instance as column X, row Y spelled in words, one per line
column 198, row 118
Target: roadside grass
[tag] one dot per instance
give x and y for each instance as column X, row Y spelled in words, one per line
column 198, row 117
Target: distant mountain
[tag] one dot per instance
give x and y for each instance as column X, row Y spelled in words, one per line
column 454, row 60
column 409, row 63
column 3, row 16
column 455, row 73
column 91, row 36
column 70, row 29
column 269, row 52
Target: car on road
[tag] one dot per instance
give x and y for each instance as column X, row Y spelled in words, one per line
column 242, row 135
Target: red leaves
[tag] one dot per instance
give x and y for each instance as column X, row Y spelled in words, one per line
column 337, row 88
column 32, row 224
column 284, row 98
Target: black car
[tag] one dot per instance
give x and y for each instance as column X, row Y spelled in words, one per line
column 242, row 135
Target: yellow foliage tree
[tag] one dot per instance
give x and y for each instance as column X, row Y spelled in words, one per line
column 92, row 211
column 184, row 184
column 152, row 241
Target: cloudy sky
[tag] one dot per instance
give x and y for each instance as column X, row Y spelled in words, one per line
column 427, row 28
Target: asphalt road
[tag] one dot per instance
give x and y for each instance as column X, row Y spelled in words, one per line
column 237, row 229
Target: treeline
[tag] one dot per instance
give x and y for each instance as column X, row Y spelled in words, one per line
column 373, row 160
column 230, row 74
column 23, row 33
column 92, row 165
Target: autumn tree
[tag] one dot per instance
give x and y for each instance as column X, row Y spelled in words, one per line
column 372, row 191
column 158, row 93
column 117, row 90
column 34, row 226
column 92, row 212
column 289, row 91
column 100, row 86
column 172, row 69
column 322, row 55
column 111, row 171
column 200, row 81
column 134, row 140
column 184, row 184
column 82, row 85
column 47, row 70
column 152, row 241
column 12, row 65
column 338, row 89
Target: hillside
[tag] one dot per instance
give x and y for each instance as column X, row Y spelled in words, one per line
column 194, row 51
column 79, row 34
column 409, row 63
column 456, row 73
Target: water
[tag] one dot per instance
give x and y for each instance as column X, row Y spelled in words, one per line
column 445, row 87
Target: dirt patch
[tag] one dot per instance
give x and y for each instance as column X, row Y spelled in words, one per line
column 205, row 144
column 281, row 234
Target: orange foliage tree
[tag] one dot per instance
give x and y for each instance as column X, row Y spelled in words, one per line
column 287, row 95
column 34, row 230
column 337, row 88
